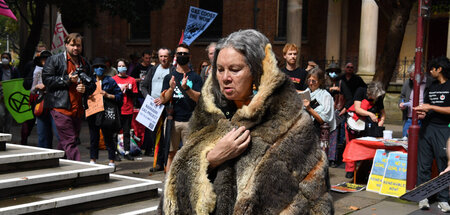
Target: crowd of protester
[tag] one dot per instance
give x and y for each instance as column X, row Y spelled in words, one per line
column 341, row 105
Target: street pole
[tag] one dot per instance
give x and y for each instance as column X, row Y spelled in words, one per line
column 7, row 43
column 413, row 138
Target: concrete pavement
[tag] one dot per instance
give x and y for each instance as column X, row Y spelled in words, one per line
column 363, row 202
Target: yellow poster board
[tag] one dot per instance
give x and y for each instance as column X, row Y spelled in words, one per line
column 378, row 169
column 394, row 182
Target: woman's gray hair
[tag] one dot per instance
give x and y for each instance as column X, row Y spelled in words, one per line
column 375, row 89
column 251, row 43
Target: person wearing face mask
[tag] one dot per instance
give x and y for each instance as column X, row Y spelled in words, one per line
column 129, row 89
column 182, row 88
column 337, row 87
column 111, row 91
column 7, row 72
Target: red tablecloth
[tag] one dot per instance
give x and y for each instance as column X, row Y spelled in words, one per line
column 357, row 150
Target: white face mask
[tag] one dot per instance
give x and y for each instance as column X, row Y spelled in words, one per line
column 5, row 61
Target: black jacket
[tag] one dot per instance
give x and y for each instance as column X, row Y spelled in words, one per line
column 146, row 86
column 56, row 81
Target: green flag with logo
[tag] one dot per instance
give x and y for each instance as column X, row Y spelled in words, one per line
column 16, row 100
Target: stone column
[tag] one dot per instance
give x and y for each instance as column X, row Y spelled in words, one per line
column 368, row 40
column 448, row 38
column 333, row 44
column 344, row 30
column 294, row 23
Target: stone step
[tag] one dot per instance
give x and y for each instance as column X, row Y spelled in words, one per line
column 140, row 207
column 4, row 138
column 117, row 190
column 19, row 157
column 68, row 173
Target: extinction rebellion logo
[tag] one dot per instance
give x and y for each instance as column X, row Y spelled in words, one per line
column 19, row 102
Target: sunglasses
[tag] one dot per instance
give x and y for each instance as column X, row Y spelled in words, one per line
column 350, row 67
column 312, row 81
column 183, row 53
column 95, row 67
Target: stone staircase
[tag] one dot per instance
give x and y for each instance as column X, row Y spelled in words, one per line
column 37, row 181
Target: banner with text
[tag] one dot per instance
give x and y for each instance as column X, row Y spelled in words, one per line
column 394, row 181
column 58, row 36
column 197, row 22
column 149, row 113
column 377, row 172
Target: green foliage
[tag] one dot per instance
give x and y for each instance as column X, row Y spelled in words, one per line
column 9, row 27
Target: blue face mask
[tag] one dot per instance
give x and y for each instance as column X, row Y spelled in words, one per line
column 99, row 71
column 122, row 69
column 333, row 75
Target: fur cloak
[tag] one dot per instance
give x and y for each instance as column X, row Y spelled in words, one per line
column 283, row 170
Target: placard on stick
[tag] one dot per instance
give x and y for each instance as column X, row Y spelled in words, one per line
column 149, row 113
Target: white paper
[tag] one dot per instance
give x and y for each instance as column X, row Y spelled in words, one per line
column 149, row 113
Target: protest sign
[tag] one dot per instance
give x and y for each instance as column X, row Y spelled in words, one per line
column 58, row 36
column 17, row 100
column 378, row 169
column 346, row 187
column 197, row 22
column 394, row 181
column 95, row 101
column 149, row 113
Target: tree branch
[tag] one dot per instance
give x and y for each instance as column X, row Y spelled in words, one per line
column 21, row 13
column 30, row 8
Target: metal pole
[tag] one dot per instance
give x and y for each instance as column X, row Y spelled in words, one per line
column 411, row 176
column 7, row 43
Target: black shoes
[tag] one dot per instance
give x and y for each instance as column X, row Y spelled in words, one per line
column 156, row 169
column 129, row 157
column 349, row 174
column 117, row 158
column 333, row 164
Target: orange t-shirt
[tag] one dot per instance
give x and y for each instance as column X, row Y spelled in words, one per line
column 75, row 97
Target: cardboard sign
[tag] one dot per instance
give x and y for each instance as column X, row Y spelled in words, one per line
column 149, row 113
column 394, row 181
column 378, row 169
column 95, row 101
column 346, row 187
column 428, row 188
column 198, row 20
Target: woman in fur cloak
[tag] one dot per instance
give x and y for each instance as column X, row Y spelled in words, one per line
column 251, row 149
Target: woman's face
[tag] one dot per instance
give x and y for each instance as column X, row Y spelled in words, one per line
column 233, row 74
column 313, row 83
column 121, row 64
